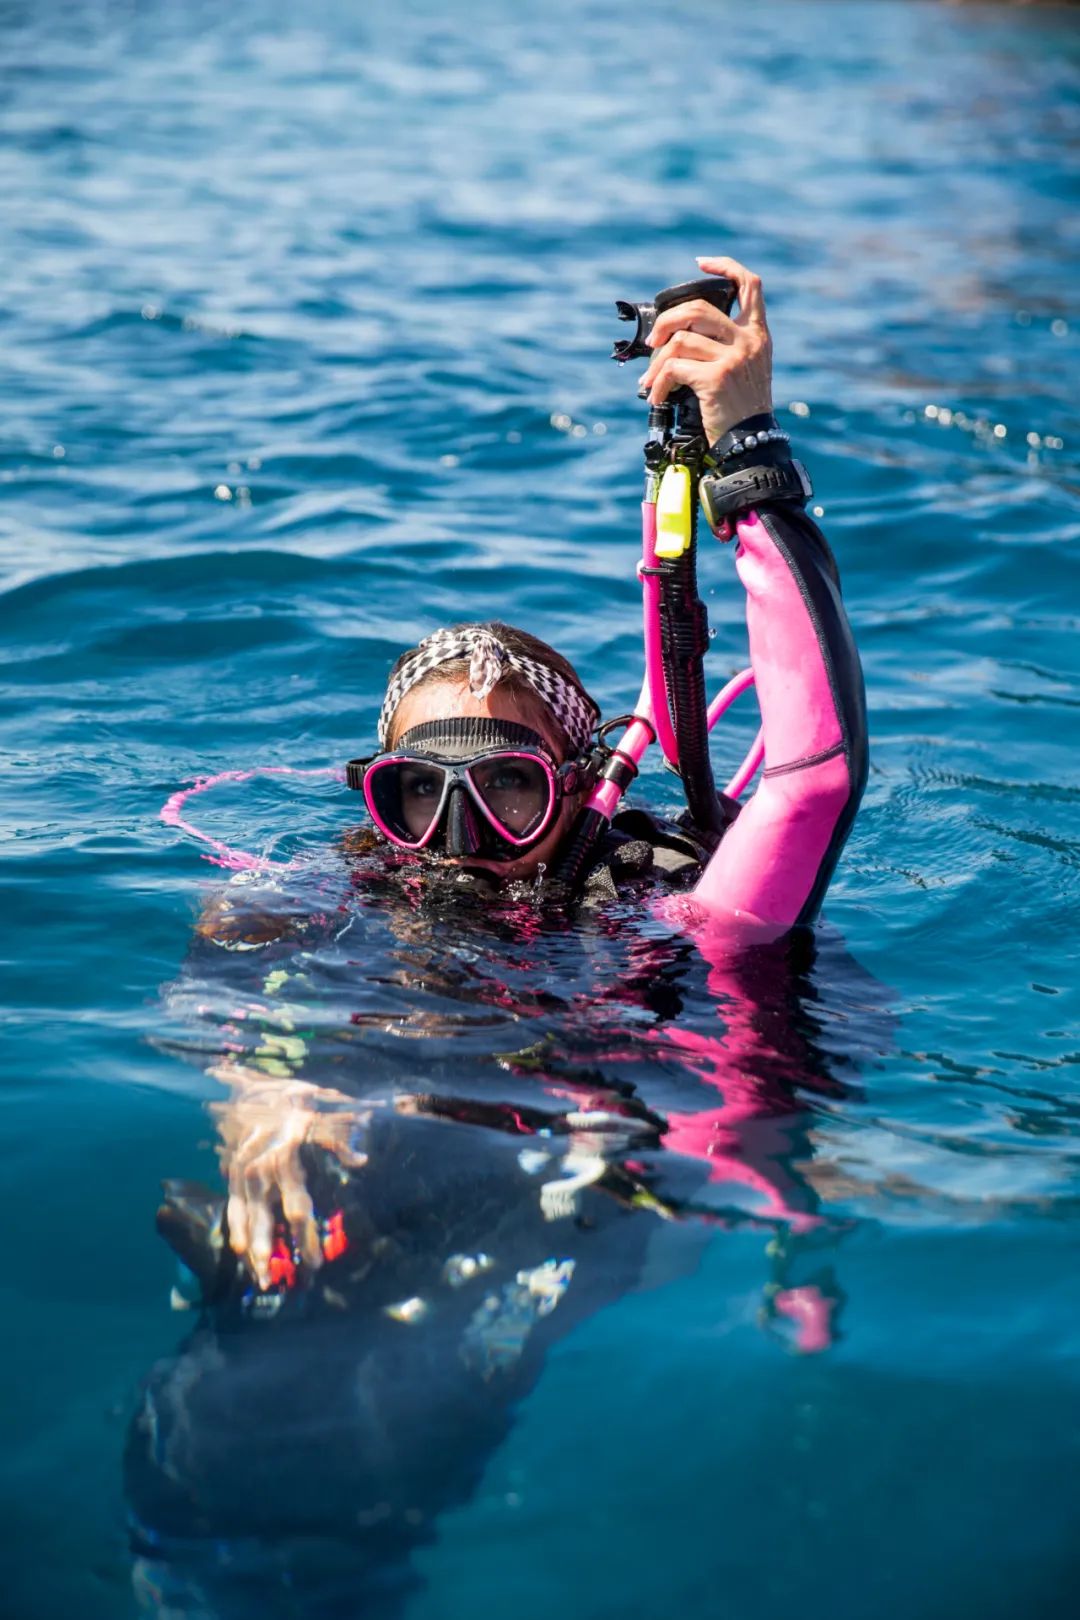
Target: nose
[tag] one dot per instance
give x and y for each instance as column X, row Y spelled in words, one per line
column 463, row 832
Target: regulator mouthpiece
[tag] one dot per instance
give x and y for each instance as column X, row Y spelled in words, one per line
column 715, row 290
column 635, row 347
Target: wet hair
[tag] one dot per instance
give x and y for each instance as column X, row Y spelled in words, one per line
column 524, row 645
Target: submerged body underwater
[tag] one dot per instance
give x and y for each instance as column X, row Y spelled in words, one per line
column 545, row 1115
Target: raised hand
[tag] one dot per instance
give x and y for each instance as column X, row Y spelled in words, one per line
column 725, row 359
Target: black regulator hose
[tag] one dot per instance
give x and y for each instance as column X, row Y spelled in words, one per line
column 675, row 432
column 684, row 630
column 576, row 858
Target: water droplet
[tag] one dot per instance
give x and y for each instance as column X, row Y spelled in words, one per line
column 1000, row 430
column 1023, row 317
column 1059, row 327
column 799, row 407
column 222, row 492
column 1053, row 443
column 578, row 431
column 513, row 437
column 58, row 452
column 254, row 463
column 1034, row 440
column 448, row 461
column 561, row 421
column 945, row 416
column 818, row 511
column 150, row 312
column 599, row 428
column 931, row 411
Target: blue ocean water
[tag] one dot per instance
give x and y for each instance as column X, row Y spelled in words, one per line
column 303, row 332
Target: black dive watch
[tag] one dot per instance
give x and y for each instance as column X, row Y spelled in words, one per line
column 723, row 495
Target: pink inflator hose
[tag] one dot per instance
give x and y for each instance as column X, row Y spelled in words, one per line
column 236, row 860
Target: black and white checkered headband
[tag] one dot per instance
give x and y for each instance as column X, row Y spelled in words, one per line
column 488, row 659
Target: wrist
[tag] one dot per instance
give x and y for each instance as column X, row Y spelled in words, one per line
column 752, row 465
column 749, row 435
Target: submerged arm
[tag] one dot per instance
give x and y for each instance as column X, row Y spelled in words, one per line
column 775, row 862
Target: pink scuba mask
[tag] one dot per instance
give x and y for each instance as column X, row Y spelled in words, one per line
column 466, row 786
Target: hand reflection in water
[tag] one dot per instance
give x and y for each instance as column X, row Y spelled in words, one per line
column 264, row 1125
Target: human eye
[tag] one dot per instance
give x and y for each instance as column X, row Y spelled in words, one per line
column 416, row 783
column 509, row 779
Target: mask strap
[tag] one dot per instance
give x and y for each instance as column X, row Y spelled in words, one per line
column 477, row 732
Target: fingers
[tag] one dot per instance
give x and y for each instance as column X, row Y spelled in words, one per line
column 239, row 1236
column 751, row 296
column 334, row 1132
column 683, row 346
column 256, row 1188
column 673, row 374
column 259, row 1166
column 263, row 1128
column 299, row 1213
column 260, row 1227
column 696, row 315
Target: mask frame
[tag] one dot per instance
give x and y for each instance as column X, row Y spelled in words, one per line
column 458, row 747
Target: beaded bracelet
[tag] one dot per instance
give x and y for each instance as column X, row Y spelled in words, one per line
column 747, row 436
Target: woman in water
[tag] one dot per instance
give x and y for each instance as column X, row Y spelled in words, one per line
column 486, row 734
column 414, row 1222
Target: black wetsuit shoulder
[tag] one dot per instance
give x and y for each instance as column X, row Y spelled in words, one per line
column 641, row 848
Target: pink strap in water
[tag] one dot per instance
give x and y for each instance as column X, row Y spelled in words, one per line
column 236, row 860
column 812, row 1313
column 722, row 702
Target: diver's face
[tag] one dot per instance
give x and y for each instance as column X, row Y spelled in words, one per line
column 451, row 700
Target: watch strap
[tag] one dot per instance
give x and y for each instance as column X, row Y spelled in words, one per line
column 722, row 496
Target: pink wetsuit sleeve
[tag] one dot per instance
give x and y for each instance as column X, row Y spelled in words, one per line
column 775, row 862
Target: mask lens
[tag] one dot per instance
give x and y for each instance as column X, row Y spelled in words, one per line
column 404, row 796
column 517, row 791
